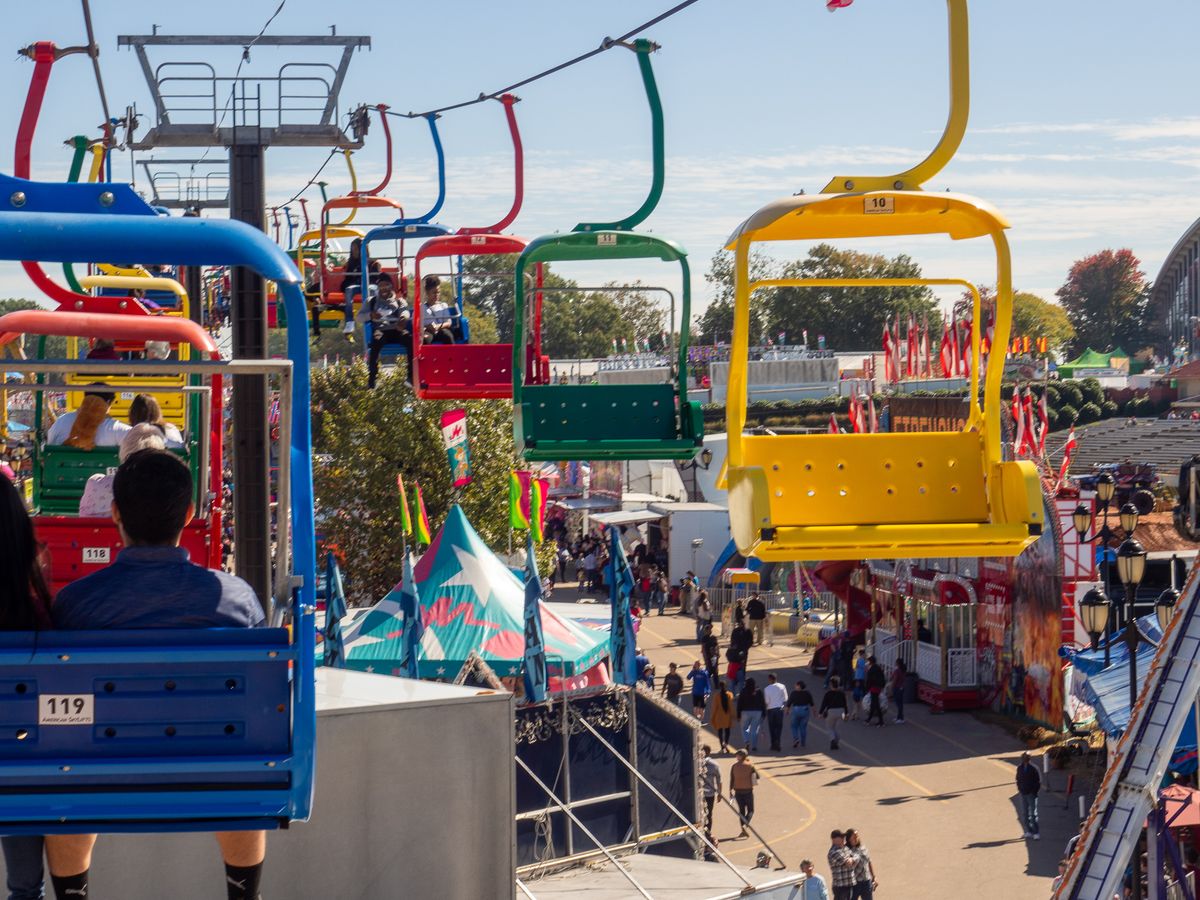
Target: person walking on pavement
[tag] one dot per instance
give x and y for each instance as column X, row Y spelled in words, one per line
column 775, row 695
column 710, row 786
column 800, row 702
column 841, row 865
column 710, row 650
column 813, row 887
column 833, row 710
column 875, row 683
column 703, row 614
column 864, row 869
column 899, row 676
column 743, row 640
column 858, row 686
column 721, row 717
column 742, row 778
column 659, row 588
column 672, row 684
column 756, row 612
column 701, row 688
column 1029, row 784
column 751, row 706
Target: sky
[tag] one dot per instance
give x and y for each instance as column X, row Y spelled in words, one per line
column 1083, row 127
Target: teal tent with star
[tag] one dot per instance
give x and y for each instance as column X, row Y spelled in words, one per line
column 471, row 601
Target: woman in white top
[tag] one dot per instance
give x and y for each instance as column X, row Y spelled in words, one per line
column 145, row 409
column 97, row 498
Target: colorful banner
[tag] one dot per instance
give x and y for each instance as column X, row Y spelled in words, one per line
column 423, row 529
column 538, row 489
column 406, row 526
column 518, row 499
column 458, row 454
column 622, row 637
column 536, row 675
column 410, row 608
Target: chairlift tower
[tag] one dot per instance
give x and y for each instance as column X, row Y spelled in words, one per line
column 244, row 114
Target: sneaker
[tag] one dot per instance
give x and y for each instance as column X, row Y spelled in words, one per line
column 1037, row 836
column 898, row 722
column 1026, row 834
column 348, row 328
column 795, row 744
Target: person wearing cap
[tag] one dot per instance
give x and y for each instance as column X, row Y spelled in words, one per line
column 841, row 865
column 108, row 432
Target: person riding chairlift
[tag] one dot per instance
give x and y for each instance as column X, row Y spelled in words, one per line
column 438, row 319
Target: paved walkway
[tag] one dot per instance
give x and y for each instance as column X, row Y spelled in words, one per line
column 933, row 798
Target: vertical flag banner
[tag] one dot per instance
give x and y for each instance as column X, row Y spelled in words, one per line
column 335, row 610
column 1043, row 424
column 424, row 535
column 535, row 647
column 538, row 490
column 622, row 644
column 945, row 357
column 410, row 606
column 518, row 500
column 406, row 525
column 874, row 418
column 1068, row 449
column 833, row 425
column 458, row 454
column 889, row 371
column 1018, row 415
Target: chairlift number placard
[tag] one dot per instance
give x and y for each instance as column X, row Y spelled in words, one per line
column 606, row 240
column 66, row 709
column 97, row 555
column 879, row 206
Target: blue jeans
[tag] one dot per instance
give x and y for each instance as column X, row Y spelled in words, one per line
column 1029, row 812
column 659, row 598
column 898, row 699
column 751, row 722
column 23, row 864
column 800, row 724
column 739, row 681
column 348, row 301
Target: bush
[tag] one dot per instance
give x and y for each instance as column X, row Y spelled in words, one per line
column 1053, row 396
column 1109, row 408
column 1089, row 412
column 1068, row 414
column 1071, row 394
column 1091, row 390
column 1136, row 406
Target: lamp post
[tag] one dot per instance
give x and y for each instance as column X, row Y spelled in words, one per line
column 1131, row 567
column 701, row 461
column 1106, row 487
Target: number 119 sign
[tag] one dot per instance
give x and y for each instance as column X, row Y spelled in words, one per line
column 66, row 709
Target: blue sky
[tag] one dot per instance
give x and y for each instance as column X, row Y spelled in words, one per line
column 1083, row 125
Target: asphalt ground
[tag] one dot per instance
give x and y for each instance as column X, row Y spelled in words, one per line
column 934, row 798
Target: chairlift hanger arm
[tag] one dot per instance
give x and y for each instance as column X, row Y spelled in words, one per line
column 387, row 136
column 509, row 101
column 643, row 49
column 956, row 122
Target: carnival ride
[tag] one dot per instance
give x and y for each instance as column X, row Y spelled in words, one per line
column 833, row 497
column 195, row 729
column 607, row 421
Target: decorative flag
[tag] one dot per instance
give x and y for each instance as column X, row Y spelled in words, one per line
column 874, row 418
column 535, row 646
column 955, row 361
column 406, row 525
column 458, row 453
column 1044, row 422
column 928, row 369
column 1068, row 449
column 835, row 5
column 1025, row 344
column 1043, row 345
column 423, row 531
column 804, row 334
column 965, row 356
column 910, row 364
column 622, row 646
column 889, row 371
column 1031, row 437
column 820, row 342
column 945, row 355
column 335, row 610
column 896, row 349
column 414, row 628
column 518, row 502
column 833, row 425
column 855, row 414
column 1018, row 414
column 538, row 489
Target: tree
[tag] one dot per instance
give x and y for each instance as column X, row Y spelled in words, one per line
column 715, row 324
column 363, row 438
column 55, row 347
column 1040, row 318
column 850, row 318
column 1106, row 296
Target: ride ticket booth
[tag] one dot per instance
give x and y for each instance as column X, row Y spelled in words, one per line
column 927, row 618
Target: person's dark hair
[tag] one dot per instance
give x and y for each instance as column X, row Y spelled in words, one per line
column 431, row 281
column 152, row 490
column 95, row 389
column 724, row 695
column 24, row 598
column 835, row 682
column 850, row 835
column 355, row 250
column 751, row 686
column 388, row 278
column 144, row 408
column 836, row 833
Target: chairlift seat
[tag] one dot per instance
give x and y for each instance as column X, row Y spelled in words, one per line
column 606, row 421
column 189, row 730
column 841, row 497
column 63, row 472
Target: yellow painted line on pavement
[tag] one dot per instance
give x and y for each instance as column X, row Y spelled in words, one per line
column 974, row 754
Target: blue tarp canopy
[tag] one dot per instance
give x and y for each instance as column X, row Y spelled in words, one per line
column 1106, row 690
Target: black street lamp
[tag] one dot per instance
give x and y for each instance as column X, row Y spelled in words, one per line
column 702, row 461
column 1094, row 609
column 1131, row 567
column 1106, row 487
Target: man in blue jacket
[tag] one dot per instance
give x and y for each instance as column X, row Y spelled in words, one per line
column 1029, row 783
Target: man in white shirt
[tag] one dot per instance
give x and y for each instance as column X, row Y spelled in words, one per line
column 109, row 432
column 589, row 569
column 776, row 696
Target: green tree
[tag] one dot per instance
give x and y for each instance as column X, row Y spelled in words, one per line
column 1039, row 318
column 1106, row 296
column 850, row 318
column 362, row 439
column 55, row 347
column 715, row 324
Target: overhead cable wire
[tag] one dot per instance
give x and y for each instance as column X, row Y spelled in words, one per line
column 313, row 180
column 607, row 44
column 94, row 53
